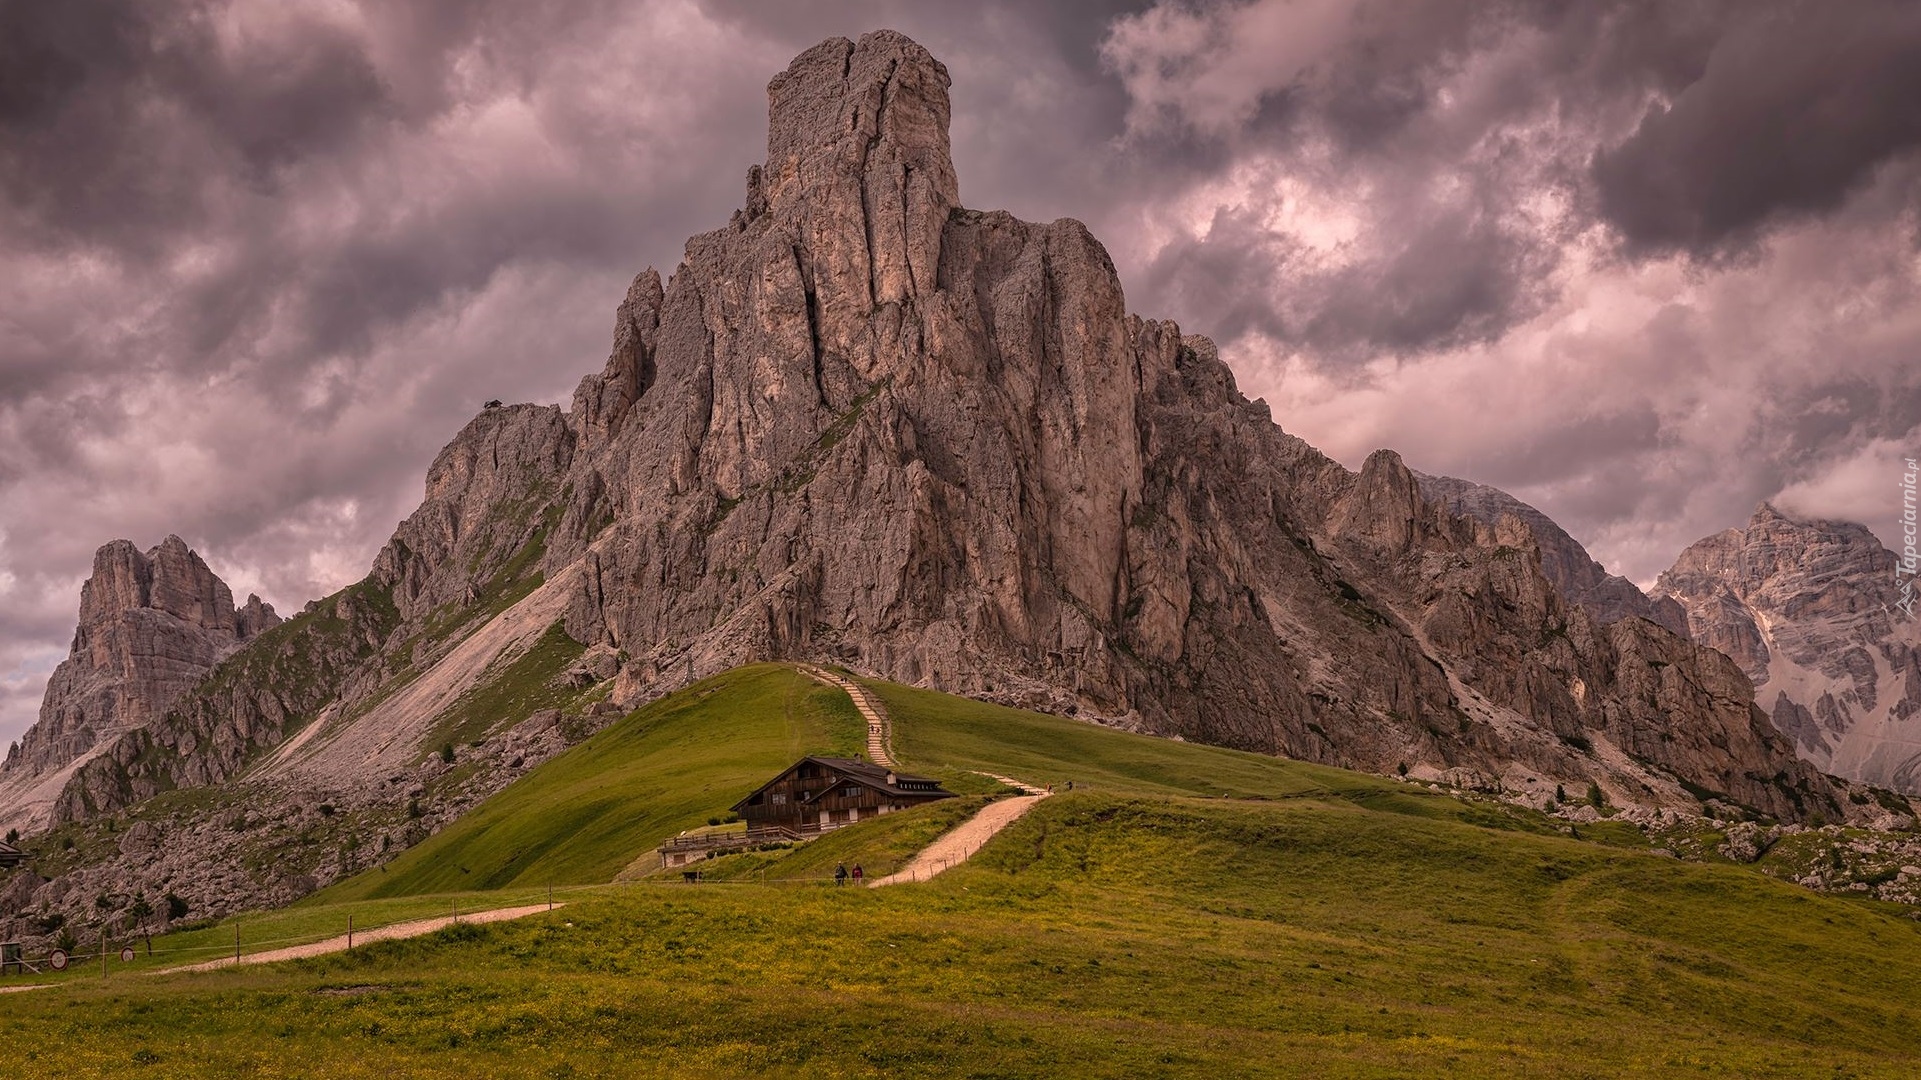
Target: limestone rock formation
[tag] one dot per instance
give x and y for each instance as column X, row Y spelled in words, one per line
column 862, row 423
column 1607, row 598
column 1808, row 609
column 151, row 626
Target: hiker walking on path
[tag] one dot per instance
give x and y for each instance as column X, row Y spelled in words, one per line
column 840, row 874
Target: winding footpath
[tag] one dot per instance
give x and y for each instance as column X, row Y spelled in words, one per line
column 394, row 932
column 880, row 733
column 954, row 846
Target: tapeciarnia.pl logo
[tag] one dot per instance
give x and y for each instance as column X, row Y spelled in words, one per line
column 1906, row 565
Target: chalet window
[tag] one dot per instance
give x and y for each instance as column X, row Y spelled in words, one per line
column 755, row 801
column 779, row 799
column 851, row 791
column 808, row 772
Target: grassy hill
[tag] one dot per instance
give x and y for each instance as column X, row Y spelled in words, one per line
column 1314, row 923
column 583, row 817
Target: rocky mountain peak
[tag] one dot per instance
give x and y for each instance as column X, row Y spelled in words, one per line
column 1783, row 568
column 171, row 579
column 1385, row 505
column 151, row 625
column 484, row 494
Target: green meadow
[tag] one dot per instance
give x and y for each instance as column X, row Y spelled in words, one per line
column 1185, row 911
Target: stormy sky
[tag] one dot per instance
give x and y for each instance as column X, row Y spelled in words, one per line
column 1643, row 264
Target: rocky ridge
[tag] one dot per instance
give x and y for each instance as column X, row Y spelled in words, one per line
column 1608, row 598
column 863, row 424
column 1808, row 609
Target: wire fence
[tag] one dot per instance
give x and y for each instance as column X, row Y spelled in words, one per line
column 175, row 956
column 14, row 960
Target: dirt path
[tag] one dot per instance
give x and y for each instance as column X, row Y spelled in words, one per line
column 1021, row 786
column 954, row 846
column 363, row 937
column 879, row 724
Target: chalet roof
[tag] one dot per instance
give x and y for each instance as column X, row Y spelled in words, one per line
column 10, row 853
column 862, row 771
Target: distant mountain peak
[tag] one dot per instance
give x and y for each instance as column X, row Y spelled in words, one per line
column 1806, row 606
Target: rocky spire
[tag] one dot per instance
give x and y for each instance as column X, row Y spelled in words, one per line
column 858, row 161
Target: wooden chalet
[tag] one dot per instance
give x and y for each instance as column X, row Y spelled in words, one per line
column 813, row 795
column 9, row 855
column 816, row 794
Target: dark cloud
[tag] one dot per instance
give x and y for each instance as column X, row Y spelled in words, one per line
column 1796, row 107
column 115, row 115
column 1452, row 279
column 1470, row 127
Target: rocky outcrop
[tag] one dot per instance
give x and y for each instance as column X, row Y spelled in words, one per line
column 1607, row 598
column 250, row 703
column 488, row 502
column 151, row 626
column 1809, row 610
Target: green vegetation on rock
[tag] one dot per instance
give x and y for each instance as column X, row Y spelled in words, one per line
column 522, row 686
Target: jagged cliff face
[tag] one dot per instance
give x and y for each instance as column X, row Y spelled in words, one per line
column 1808, row 609
column 861, row 423
column 1607, row 598
column 151, row 626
